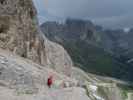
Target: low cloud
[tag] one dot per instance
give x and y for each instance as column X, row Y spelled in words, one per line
column 101, row 11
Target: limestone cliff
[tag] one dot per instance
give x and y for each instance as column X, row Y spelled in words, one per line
column 22, row 79
column 20, row 34
column 27, row 58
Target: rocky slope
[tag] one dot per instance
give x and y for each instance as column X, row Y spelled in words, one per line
column 28, row 58
column 22, row 79
column 20, row 34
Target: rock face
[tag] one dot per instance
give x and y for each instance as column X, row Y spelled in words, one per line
column 17, row 72
column 18, row 29
column 19, row 33
column 58, row 58
column 27, row 58
column 22, row 79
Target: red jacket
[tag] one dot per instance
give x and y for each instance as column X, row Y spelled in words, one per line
column 50, row 81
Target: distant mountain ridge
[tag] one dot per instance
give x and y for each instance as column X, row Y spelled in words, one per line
column 93, row 48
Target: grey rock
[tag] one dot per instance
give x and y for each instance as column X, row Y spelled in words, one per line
column 22, row 79
column 20, row 34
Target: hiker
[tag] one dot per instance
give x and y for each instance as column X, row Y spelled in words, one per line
column 50, row 81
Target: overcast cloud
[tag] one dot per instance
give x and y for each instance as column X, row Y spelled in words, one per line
column 109, row 13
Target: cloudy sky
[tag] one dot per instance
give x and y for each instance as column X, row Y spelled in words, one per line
column 108, row 13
